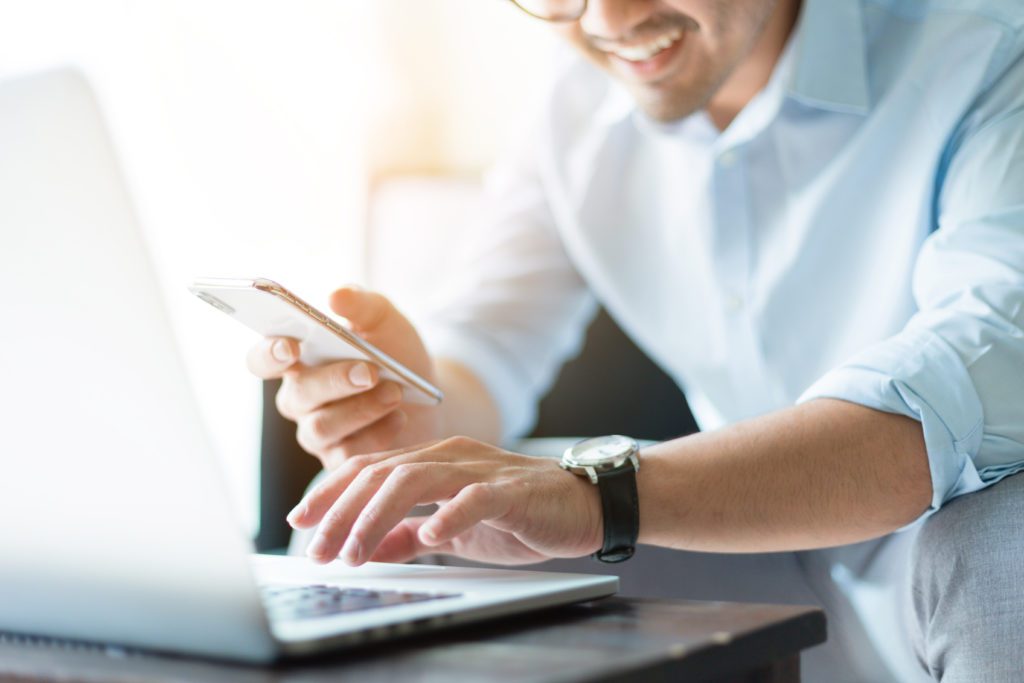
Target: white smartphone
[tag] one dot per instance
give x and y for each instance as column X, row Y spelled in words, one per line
column 273, row 311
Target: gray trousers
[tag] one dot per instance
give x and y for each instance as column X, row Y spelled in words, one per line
column 940, row 602
column 943, row 601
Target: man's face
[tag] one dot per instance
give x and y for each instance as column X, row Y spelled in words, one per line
column 672, row 55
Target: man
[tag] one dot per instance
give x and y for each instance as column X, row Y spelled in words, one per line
column 811, row 215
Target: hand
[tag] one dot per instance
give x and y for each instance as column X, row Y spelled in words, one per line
column 343, row 408
column 496, row 506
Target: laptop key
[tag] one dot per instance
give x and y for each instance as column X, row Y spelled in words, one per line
column 317, row 601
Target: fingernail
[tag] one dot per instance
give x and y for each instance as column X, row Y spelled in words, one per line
column 297, row 512
column 428, row 533
column 317, row 547
column 391, row 393
column 360, row 375
column 282, row 351
column 350, row 553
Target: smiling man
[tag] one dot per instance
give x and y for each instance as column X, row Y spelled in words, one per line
column 811, row 215
column 713, row 56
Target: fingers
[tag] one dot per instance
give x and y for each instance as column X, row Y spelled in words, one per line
column 473, row 504
column 372, row 439
column 272, row 356
column 374, row 318
column 303, row 392
column 315, row 504
column 359, row 505
column 327, row 426
column 482, row 544
column 378, row 500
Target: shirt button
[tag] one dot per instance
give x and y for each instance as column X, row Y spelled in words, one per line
column 728, row 158
column 733, row 303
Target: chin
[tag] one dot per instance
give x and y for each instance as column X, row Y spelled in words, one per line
column 664, row 114
column 662, row 109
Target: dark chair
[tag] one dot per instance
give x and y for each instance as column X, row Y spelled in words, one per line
column 635, row 397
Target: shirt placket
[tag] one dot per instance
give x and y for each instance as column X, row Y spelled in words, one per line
column 733, row 252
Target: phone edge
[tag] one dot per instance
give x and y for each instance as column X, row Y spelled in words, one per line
column 378, row 356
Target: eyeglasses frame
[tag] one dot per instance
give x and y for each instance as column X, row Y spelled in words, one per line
column 555, row 20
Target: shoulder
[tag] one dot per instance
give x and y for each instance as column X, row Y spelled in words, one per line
column 949, row 55
column 1006, row 12
column 907, row 33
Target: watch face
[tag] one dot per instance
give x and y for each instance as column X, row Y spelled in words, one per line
column 603, row 450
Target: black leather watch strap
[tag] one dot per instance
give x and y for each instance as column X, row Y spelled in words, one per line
column 621, row 508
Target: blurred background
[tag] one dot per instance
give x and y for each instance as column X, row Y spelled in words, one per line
column 300, row 141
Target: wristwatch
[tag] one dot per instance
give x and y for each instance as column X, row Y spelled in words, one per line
column 611, row 463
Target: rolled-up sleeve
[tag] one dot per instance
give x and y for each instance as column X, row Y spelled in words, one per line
column 512, row 308
column 958, row 365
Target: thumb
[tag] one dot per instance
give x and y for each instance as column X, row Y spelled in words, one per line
column 403, row 543
column 374, row 318
column 372, row 315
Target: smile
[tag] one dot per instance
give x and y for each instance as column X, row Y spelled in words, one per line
column 648, row 50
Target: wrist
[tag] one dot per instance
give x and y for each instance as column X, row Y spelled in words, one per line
column 468, row 408
column 662, row 490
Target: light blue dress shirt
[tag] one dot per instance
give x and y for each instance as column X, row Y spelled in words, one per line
column 856, row 233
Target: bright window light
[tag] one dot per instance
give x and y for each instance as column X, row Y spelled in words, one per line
column 243, row 128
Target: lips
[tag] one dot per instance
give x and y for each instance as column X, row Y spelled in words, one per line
column 648, row 50
column 648, row 60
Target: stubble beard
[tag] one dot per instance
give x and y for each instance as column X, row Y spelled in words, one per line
column 667, row 101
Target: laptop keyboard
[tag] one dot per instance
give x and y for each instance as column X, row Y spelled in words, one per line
column 318, row 600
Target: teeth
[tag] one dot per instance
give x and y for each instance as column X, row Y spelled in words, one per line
column 641, row 53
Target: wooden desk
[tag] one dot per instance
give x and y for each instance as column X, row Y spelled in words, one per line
column 617, row 639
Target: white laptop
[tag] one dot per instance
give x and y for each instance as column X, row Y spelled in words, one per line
column 114, row 522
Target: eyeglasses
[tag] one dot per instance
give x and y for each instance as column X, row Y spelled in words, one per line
column 553, row 10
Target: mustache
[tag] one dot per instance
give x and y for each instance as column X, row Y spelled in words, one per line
column 652, row 28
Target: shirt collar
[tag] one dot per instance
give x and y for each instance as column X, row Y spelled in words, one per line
column 827, row 68
column 749, row 122
column 831, row 57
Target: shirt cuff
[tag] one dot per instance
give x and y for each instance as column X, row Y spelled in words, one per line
column 499, row 373
column 919, row 375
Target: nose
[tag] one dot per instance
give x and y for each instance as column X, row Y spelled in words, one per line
column 615, row 19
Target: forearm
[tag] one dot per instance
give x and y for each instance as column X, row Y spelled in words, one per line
column 468, row 408
column 821, row 474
